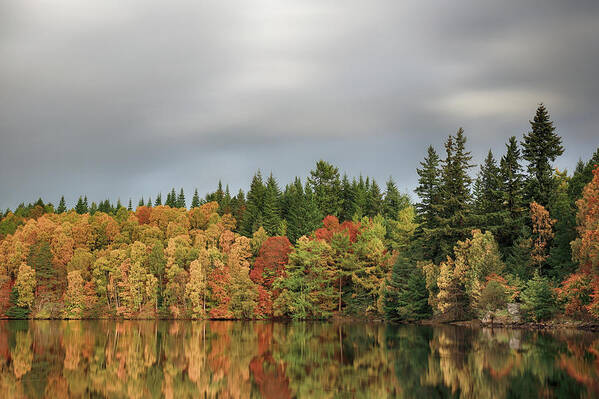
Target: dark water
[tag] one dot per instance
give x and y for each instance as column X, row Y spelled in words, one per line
column 139, row 359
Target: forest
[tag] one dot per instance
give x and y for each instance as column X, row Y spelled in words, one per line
column 473, row 241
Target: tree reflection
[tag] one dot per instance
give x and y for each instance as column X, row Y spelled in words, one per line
column 139, row 359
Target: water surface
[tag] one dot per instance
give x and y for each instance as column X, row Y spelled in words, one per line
column 183, row 359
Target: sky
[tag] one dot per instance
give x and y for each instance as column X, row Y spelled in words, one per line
column 124, row 98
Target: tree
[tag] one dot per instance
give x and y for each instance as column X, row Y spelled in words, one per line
column 158, row 201
column 303, row 215
column 253, row 215
column 488, row 193
column 62, row 208
column 562, row 211
column 74, row 297
column 393, row 201
column 307, row 291
column 81, row 206
column 326, row 184
column 25, row 285
column 374, row 201
column 429, row 192
column 271, row 207
column 405, row 294
column 493, row 297
column 541, row 146
column 512, row 189
column 542, row 230
column 196, row 288
column 180, row 203
column 195, row 201
column 455, row 221
column 539, row 299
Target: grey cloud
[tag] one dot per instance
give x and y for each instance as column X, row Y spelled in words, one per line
column 121, row 99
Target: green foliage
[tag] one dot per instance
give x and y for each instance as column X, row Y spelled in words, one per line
column 324, row 181
column 541, row 146
column 405, row 294
column 539, row 298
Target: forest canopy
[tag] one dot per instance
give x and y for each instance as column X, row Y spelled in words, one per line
column 518, row 231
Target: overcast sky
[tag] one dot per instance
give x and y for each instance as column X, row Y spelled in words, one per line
column 119, row 98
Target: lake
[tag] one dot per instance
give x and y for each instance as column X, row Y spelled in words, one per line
column 229, row 359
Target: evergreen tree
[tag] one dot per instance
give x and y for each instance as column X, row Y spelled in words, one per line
column 394, row 201
column 541, row 146
column 455, row 213
column 141, row 202
column 93, row 208
column 180, row 203
column 560, row 254
column 512, row 188
column 271, row 210
column 302, row 215
column 81, row 206
column 348, row 195
column 539, row 299
column 405, row 297
column 429, row 193
column 149, row 203
column 130, row 206
column 326, row 185
column 171, row 199
column 253, row 217
column 62, row 207
column 238, row 208
column 489, row 197
column 195, row 201
column 360, row 189
column 583, row 174
column 374, row 200
column 158, row 201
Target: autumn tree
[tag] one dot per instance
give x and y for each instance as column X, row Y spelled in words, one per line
column 542, row 229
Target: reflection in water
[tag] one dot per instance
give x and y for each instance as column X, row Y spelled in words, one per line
column 180, row 359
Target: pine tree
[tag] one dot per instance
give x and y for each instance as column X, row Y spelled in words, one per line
column 302, row 213
column 489, row 197
column 158, row 201
column 181, row 200
column 348, row 195
column 541, row 146
column 326, row 185
column 149, row 203
column 455, row 221
column 583, row 174
column 512, row 188
column 271, row 210
column 195, row 201
column 393, row 201
column 253, row 217
column 405, row 297
column 81, row 206
column 374, row 200
column 141, row 202
column 426, row 243
column 130, row 206
column 61, row 206
column 171, row 199
column 560, row 254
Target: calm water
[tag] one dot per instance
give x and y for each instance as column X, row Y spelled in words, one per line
column 59, row 359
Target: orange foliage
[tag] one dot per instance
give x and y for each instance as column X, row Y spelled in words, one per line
column 332, row 227
column 542, row 228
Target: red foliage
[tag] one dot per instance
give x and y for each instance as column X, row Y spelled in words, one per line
column 332, row 227
column 269, row 265
column 143, row 214
column 575, row 292
column 218, row 282
column 271, row 261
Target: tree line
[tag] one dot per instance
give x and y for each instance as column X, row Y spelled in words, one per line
column 520, row 231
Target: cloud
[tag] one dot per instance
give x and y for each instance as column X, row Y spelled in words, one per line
column 121, row 99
